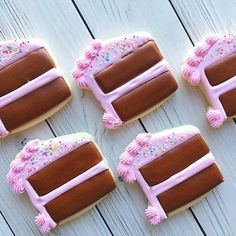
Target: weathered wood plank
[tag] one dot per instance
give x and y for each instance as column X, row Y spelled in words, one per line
column 63, row 30
column 216, row 213
column 4, row 228
column 16, row 24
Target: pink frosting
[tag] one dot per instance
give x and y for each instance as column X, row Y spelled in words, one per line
column 3, row 130
column 108, row 53
column 37, row 155
column 147, row 147
column 26, row 89
column 13, row 50
column 153, row 215
column 212, row 49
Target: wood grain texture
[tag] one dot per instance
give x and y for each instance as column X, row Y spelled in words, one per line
column 59, row 23
column 188, row 106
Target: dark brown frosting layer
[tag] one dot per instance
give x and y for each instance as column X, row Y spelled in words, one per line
column 81, row 196
column 174, row 160
column 145, row 96
column 25, row 69
column 65, row 168
column 129, row 67
column 190, row 189
column 34, row 104
column 228, row 101
column 221, row 70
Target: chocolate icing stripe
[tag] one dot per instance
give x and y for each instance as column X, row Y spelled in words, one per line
column 212, row 50
column 40, row 201
column 100, row 167
column 213, row 93
column 153, row 201
column 107, row 99
column 35, row 199
column 188, row 172
column 3, row 130
column 226, row 86
column 30, row 86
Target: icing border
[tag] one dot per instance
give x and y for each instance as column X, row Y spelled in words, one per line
column 98, row 56
column 211, row 49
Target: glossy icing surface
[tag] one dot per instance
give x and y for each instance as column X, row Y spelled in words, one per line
column 13, row 50
column 148, row 147
column 37, row 155
column 99, row 56
column 27, row 70
column 212, row 49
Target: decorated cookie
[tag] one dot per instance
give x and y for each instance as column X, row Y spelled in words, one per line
column 31, row 89
column 127, row 75
column 63, row 177
column 174, row 168
column 213, row 66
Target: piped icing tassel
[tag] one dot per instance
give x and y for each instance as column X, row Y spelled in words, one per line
column 44, row 223
column 18, row 187
column 215, row 118
column 126, row 172
column 110, row 121
column 152, row 215
column 190, row 68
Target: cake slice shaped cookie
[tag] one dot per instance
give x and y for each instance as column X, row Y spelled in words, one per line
column 212, row 65
column 174, row 168
column 32, row 88
column 63, row 177
column 127, row 75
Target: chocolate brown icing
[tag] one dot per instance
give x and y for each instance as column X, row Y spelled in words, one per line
column 145, row 96
column 128, row 67
column 81, row 196
column 65, row 169
column 174, row 160
column 25, row 69
column 221, row 70
column 190, row 189
column 34, row 104
column 228, row 101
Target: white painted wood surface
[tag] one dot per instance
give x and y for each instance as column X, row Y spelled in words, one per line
column 68, row 26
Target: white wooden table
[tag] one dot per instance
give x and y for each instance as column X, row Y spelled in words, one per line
column 68, row 26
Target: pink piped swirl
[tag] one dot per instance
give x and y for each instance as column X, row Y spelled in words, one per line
column 80, row 79
column 96, row 45
column 215, row 118
column 195, row 78
column 152, row 215
column 126, row 172
column 187, row 70
column 143, row 139
column 202, row 49
column 44, row 223
column 126, row 158
column 83, row 63
column 193, row 61
column 133, row 148
column 90, row 53
column 212, row 39
column 17, row 165
column 32, row 145
column 18, row 186
column 110, row 121
column 191, row 74
column 11, row 177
